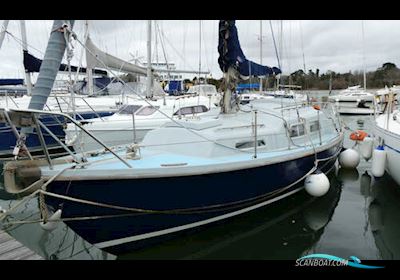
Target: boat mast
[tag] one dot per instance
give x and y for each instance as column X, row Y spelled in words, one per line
column 230, row 83
column 3, row 31
column 302, row 47
column 89, row 69
column 25, row 49
column 276, row 52
column 261, row 53
column 198, row 80
column 365, row 75
column 156, row 41
column 280, row 48
column 149, row 75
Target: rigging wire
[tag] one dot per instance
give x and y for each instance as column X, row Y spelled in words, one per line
column 276, row 50
column 158, row 32
column 175, row 50
column 161, row 112
column 184, row 44
column 206, row 53
column 302, row 46
column 198, row 80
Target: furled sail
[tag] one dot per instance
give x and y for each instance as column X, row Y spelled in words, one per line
column 231, row 54
column 32, row 64
column 94, row 54
column 49, row 68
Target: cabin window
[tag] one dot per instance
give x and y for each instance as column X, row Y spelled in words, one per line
column 296, row 130
column 314, row 126
column 129, row 109
column 200, row 109
column 249, row 144
column 184, row 111
column 191, row 110
column 147, row 111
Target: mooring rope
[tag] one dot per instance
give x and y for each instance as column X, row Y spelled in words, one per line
column 141, row 211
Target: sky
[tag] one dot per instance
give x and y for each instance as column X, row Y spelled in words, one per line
column 336, row 45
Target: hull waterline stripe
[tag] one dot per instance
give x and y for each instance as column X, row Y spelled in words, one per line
column 389, row 134
column 392, row 148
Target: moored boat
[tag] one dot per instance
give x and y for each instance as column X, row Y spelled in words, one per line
column 387, row 132
column 354, row 100
column 189, row 173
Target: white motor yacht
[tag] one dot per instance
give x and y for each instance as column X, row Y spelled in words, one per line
column 354, row 100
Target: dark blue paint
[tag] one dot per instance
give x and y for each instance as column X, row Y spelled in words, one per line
column 172, row 193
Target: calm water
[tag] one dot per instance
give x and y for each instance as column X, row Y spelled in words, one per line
column 358, row 217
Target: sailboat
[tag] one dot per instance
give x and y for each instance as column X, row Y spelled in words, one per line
column 189, row 173
column 148, row 114
column 285, row 93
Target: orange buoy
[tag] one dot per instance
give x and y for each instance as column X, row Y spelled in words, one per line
column 316, row 107
column 358, row 135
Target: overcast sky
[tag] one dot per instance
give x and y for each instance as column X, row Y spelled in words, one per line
column 328, row 45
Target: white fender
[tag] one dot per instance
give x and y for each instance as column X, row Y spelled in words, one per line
column 378, row 161
column 366, row 147
column 317, row 184
column 50, row 225
column 349, row 158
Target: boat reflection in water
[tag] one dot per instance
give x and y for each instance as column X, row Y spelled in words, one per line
column 60, row 243
column 347, row 176
column 282, row 230
column 383, row 216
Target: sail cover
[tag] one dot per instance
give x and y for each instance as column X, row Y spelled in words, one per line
column 231, row 54
column 32, row 64
column 101, row 83
column 11, row 82
column 94, row 54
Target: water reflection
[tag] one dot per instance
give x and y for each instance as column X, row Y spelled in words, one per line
column 61, row 243
column 383, row 216
column 347, row 175
column 284, row 230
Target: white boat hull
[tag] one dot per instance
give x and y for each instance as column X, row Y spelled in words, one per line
column 354, row 110
column 392, row 146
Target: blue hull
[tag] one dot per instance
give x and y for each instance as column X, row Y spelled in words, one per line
column 54, row 123
column 174, row 193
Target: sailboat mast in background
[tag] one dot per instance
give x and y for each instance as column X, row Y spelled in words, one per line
column 25, row 49
column 88, row 66
column 198, row 80
column 363, row 43
column 261, row 52
column 149, row 76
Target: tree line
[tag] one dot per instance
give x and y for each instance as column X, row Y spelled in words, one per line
column 386, row 75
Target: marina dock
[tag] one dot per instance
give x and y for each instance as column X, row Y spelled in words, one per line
column 11, row 249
